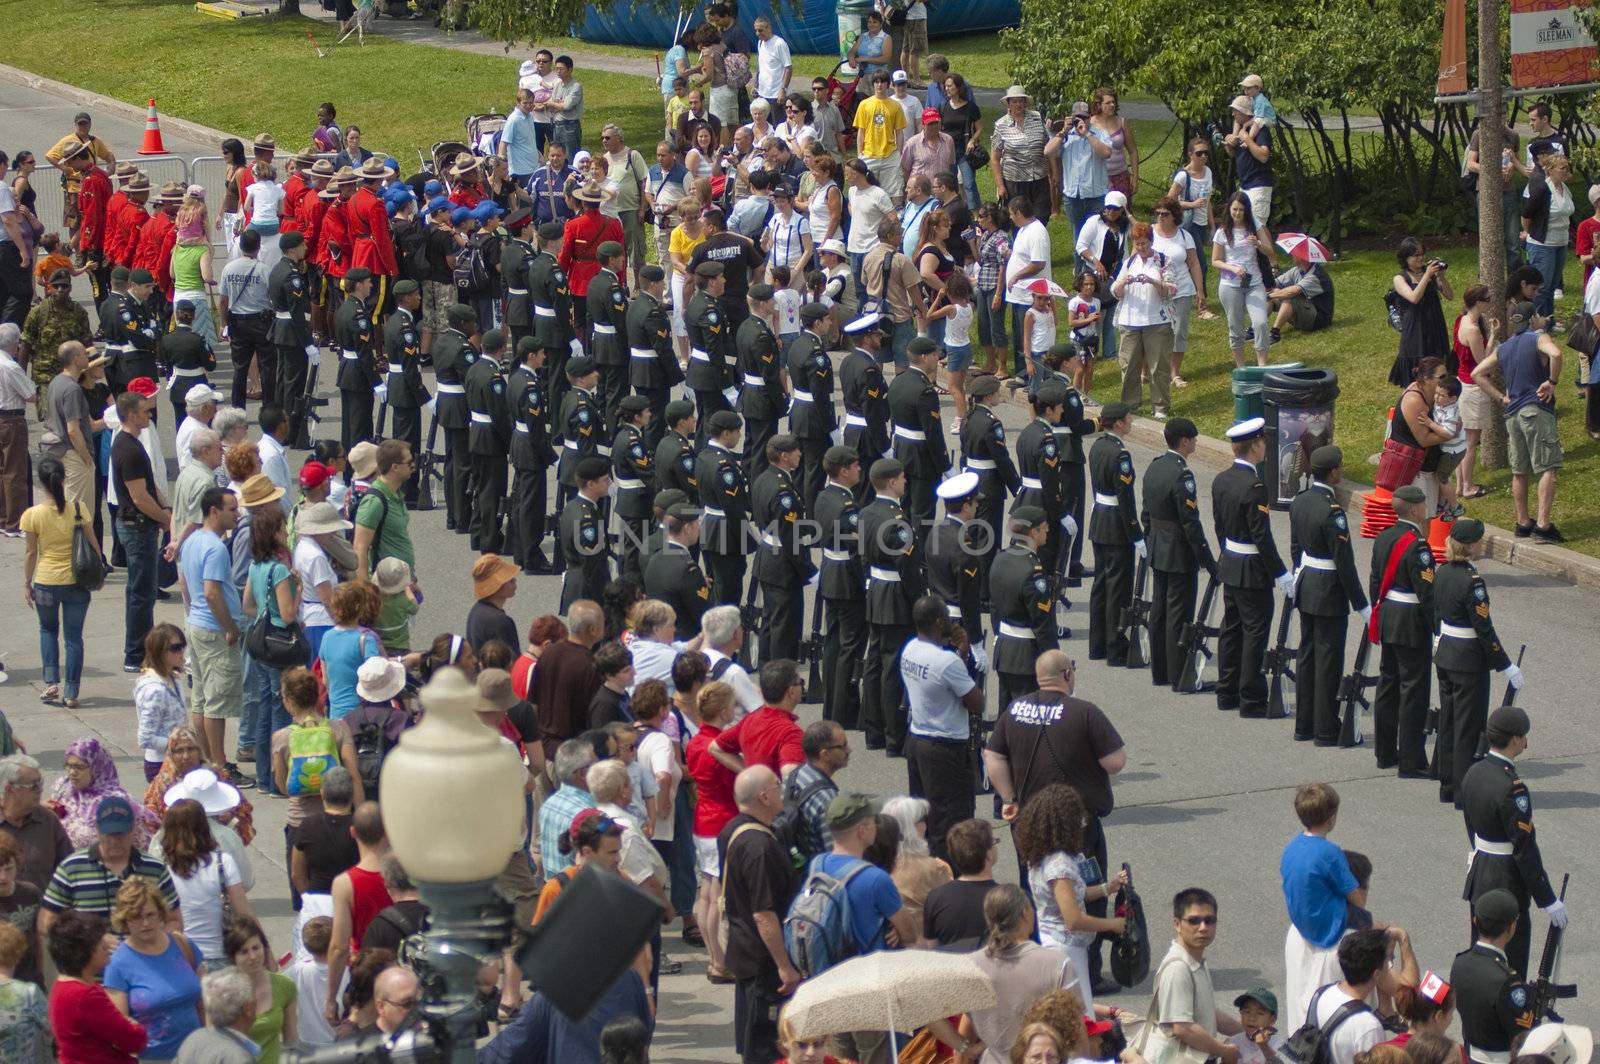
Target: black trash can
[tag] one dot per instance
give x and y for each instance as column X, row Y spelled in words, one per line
column 1298, row 406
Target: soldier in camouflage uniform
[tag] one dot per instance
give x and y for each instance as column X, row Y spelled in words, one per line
column 52, row 322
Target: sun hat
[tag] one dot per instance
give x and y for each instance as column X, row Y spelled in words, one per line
column 392, row 576
column 364, row 459
column 320, row 517
column 202, row 785
column 489, row 574
column 258, row 491
column 1016, row 92
column 380, row 679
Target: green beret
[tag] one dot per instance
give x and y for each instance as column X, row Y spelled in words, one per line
column 633, row 404
column 406, row 288
column 527, row 346
column 551, row 231
column 591, row 469
column 708, row 269
column 814, row 312
column 723, row 421
column 1115, row 410
column 1467, row 530
column 761, row 292
column 289, row 240
column 840, row 456
column 579, row 366
column 986, row 384
column 652, row 273
column 358, row 274
column 1410, row 493
column 460, row 314
column 610, row 249
column 1062, row 352
column 1508, row 721
column 1024, row 518
column 493, row 340
column 1497, row 906
column 667, row 498
column 120, row 274
column 1325, row 460
column 677, row 410
column 886, row 469
column 141, row 276
column 920, row 346
column 1053, row 393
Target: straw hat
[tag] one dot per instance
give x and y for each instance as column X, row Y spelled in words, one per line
column 364, row 460
column 392, row 576
column 380, row 679
column 320, row 517
column 202, row 785
column 258, row 491
column 1016, row 92
column 489, row 574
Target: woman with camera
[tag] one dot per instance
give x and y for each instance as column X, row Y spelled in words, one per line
column 1417, row 291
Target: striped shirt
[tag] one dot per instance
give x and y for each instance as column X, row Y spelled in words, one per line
column 785, row 231
column 84, row 883
column 1021, row 146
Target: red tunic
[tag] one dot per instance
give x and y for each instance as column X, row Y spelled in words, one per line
column 309, row 221
column 369, row 226
column 126, row 232
column 114, row 205
column 580, row 238
column 336, row 256
column 156, row 242
column 94, row 191
column 246, row 178
column 467, row 195
column 294, row 189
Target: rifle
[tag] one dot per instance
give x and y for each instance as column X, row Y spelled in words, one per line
column 305, row 405
column 811, row 650
column 1508, row 699
column 1278, row 666
column 426, row 467
column 383, row 416
column 1193, row 642
column 1063, row 560
column 1136, row 619
column 1545, row 991
column 1352, row 700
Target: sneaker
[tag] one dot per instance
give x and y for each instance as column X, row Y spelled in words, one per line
column 1159, row 415
column 245, row 755
column 1559, row 294
column 1250, row 333
column 1548, row 534
column 231, row 774
column 1277, row 334
column 955, row 427
column 1179, row 382
column 1524, row 531
column 131, row 668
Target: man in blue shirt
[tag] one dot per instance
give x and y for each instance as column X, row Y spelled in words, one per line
column 549, row 184
column 1318, row 888
column 944, row 699
column 1084, row 150
column 518, row 140
column 214, row 617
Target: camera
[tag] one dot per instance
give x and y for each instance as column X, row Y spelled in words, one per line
column 1443, row 265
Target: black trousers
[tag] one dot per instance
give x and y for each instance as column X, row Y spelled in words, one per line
column 631, row 534
column 613, row 386
column 1172, row 602
column 1072, row 481
column 727, row 577
column 1318, row 670
column 757, row 431
column 1463, row 715
column 843, row 643
column 1242, row 649
column 991, row 512
column 355, row 418
column 405, row 423
column 293, row 368
column 782, row 611
column 529, row 493
column 1111, row 594
column 247, row 340
column 15, row 284
column 940, row 770
column 811, row 475
column 1400, row 707
column 457, row 479
column 919, row 506
column 755, row 1018
column 656, row 427
column 706, row 403
column 1013, row 685
column 883, row 713
column 489, row 492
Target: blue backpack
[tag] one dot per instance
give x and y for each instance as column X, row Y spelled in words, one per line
column 818, row 933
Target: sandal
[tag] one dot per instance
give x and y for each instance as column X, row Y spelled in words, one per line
column 504, row 1013
column 1478, row 491
column 69, row 703
column 718, row 976
column 51, row 695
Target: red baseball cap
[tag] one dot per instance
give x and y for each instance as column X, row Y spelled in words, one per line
column 611, row 826
column 314, row 474
column 1094, row 1027
column 931, row 114
column 145, row 386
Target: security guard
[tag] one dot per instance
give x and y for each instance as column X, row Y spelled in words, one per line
column 1327, row 588
column 1116, row 534
column 783, row 560
column 552, row 316
column 531, row 456
column 453, row 356
column 675, row 454
column 489, row 441
column 811, row 417
column 1041, row 466
column 1468, row 648
column 653, row 367
column 761, row 392
column 1178, row 548
column 710, row 344
column 1489, row 990
column 725, row 498
column 1072, row 425
column 1499, row 820
column 674, row 576
column 894, row 583
column 984, row 452
column 633, row 473
column 516, row 255
column 291, row 333
column 1021, row 604
column 1401, row 588
column 919, row 443
column 583, row 534
column 355, row 338
column 955, row 561
column 135, row 334
column 607, row 307
column 1248, row 567
column 843, row 577
column 866, row 397
column 402, row 351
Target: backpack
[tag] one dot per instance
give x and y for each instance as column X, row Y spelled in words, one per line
column 312, row 752
column 789, row 825
column 721, row 667
column 817, row 932
column 411, row 242
column 1309, row 1045
column 371, row 733
column 354, row 502
column 472, row 274
column 736, row 68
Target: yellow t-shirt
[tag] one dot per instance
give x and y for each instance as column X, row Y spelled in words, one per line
column 681, row 243
column 878, row 121
column 54, row 567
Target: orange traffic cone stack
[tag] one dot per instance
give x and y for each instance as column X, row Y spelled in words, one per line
column 1377, row 512
column 152, row 134
column 1438, row 532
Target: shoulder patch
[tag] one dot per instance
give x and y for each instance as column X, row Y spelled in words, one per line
column 1049, row 448
column 589, row 533
column 852, row 518
column 1425, row 555
column 786, row 500
column 819, row 360
column 1187, row 480
column 1339, row 521
column 712, row 317
column 1041, row 585
column 1074, row 401
column 1125, row 463
column 728, row 476
column 498, row 386
column 584, row 417
column 1524, row 803
column 999, row 432
column 1480, row 592
column 1519, row 996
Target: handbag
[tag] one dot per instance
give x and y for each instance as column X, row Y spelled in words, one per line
column 975, row 156
column 277, row 646
column 88, row 570
column 1582, row 336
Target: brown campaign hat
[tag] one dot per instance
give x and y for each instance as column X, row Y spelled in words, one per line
column 264, row 142
column 345, row 176
column 125, row 172
column 304, row 157
column 323, row 168
column 171, row 192
column 137, row 183
column 466, row 163
column 374, row 170
column 589, row 192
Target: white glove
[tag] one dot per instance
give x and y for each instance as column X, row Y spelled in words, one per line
column 731, row 394
column 1069, row 525
column 577, row 348
column 837, row 436
column 1557, row 910
column 814, row 578
column 432, row 405
column 980, row 658
column 1366, row 616
column 1139, row 549
column 1513, row 675
column 1286, row 585
column 313, row 351
column 382, row 392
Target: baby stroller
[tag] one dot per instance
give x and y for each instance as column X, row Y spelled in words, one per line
column 443, row 157
column 846, row 94
column 483, row 132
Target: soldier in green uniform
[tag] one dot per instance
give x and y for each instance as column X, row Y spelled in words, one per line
column 1468, row 648
column 675, row 454
column 489, row 441
column 1039, row 459
column 516, row 255
column 894, row 583
column 552, row 317
column 838, row 519
column 402, row 350
column 664, row 501
column 783, row 559
column 1178, row 548
column 1401, row 589
column 355, row 341
column 919, row 443
column 725, row 498
column 187, row 354
column 761, row 392
column 290, row 334
column 710, row 345
column 633, row 473
column 956, row 549
column 582, row 435
column 54, row 320
column 607, row 307
column 674, row 576
column 811, row 416
column 865, row 395
column 1117, row 536
column 653, row 367
column 453, row 356
column 1062, row 362
column 1248, row 567
column 133, row 333
column 1490, row 995
column 1327, row 588
column 583, row 534
column 1021, row 604
column 984, row 452
column 531, row 456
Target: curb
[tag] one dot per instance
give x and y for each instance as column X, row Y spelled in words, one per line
column 88, row 99
column 1500, row 544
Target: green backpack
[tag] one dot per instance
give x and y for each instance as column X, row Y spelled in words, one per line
column 312, row 752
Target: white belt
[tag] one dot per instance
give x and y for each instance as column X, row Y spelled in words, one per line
column 1311, row 561
column 603, row 449
column 986, row 464
column 953, row 609
column 1456, row 631
column 570, row 445
column 349, row 355
column 188, row 371
column 627, row 484
column 888, row 576
column 516, row 291
column 1102, row 499
column 699, row 355
column 770, row 540
column 829, row 554
column 1233, row 546
column 283, row 315
column 120, row 349
column 754, row 380
column 481, row 419
column 1408, row 597
column 642, row 352
column 801, row 397
column 1032, row 483
column 1015, row 631
column 451, row 389
column 1489, row 1056
column 858, row 420
column 712, row 511
column 910, row 434
column 521, row 427
column 396, row 371
column 544, row 312
column 605, row 330
column 1498, row 849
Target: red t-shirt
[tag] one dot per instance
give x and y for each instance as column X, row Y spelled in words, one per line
column 88, row 1027
column 521, row 673
column 368, row 898
column 770, row 736
column 715, row 784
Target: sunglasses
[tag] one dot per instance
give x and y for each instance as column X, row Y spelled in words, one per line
column 177, row 648
column 1163, row 214
column 1201, row 154
column 1200, row 921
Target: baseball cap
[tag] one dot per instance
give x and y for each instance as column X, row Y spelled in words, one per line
column 931, row 114
column 314, row 474
column 849, row 809
column 899, row 76
column 114, row 815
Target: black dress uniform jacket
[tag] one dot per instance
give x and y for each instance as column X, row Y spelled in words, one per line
column 675, row 466
column 1239, row 513
column 811, row 415
column 725, row 497
column 672, row 575
column 402, row 348
column 955, row 571
column 583, row 434
column 515, row 258
column 1401, row 621
column 357, row 340
column 710, row 343
column 1499, row 811
column 1326, row 581
column 652, row 363
column 761, row 389
column 583, row 545
column 1111, row 474
column 838, row 519
column 1039, row 460
column 1023, row 610
column 866, row 407
column 894, row 565
column 452, row 357
column 286, row 285
column 1173, row 531
column 1492, row 1001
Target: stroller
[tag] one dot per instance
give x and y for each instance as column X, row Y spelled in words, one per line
column 483, row 132
column 846, row 94
column 443, row 157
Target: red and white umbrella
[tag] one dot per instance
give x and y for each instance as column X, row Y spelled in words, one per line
column 1303, row 246
column 1041, row 286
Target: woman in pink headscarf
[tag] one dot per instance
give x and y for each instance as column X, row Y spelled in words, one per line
column 91, row 776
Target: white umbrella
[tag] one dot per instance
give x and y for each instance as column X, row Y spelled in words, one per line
column 887, row 991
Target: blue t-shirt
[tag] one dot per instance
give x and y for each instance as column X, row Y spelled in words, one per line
column 162, row 994
column 669, row 67
column 342, row 652
column 1316, row 880
column 205, row 557
column 873, row 899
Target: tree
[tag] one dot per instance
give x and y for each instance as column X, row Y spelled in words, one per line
column 1491, row 201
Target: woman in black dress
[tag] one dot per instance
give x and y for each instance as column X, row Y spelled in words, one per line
column 1419, row 286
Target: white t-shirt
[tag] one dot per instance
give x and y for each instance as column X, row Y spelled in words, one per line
column 1250, row 1053
column 1029, row 244
column 1356, row 1034
column 868, row 207
column 913, row 109
column 262, row 199
column 311, row 565
column 958, row 326
column 200, row 901
column 1078, row 307
column 1176, row 249
column 639, row 859
column 746, row 698
column 772, row 59
column 658, row 754
column 311, row 981
column 186, row 430
column 1193, row 188
column 786, row 302
column 785, row 233
column 1239, row 251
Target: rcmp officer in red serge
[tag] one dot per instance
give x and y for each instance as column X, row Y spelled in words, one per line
column 1248, row 567
column 1178, row 548
column 1499, row 818
column 1490, row 995
column 1115, row 531
column 1401, row 588
column 369, row 225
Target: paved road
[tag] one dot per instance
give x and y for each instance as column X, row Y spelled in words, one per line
column 1206, row 798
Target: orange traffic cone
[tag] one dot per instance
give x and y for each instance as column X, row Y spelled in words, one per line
column 152, row 134
column 1377, row 512
column 1438, row 532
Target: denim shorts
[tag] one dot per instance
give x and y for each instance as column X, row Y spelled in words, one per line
column 958, row 359
column 991, row 322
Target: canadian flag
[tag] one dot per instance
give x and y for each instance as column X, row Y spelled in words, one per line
column 1433, row 988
